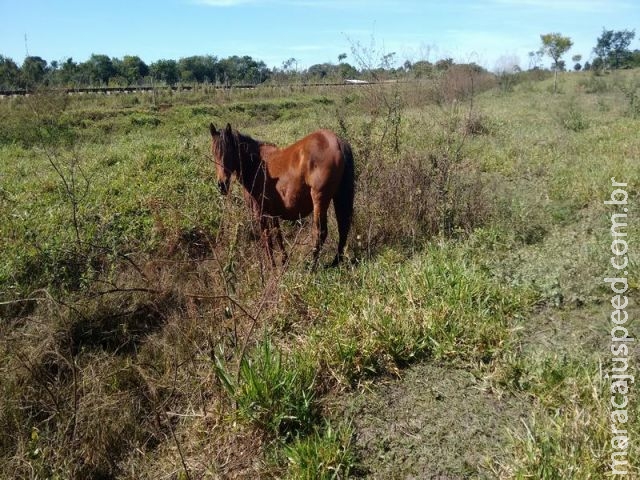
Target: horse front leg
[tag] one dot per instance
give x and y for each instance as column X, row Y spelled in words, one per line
column 276, row 226
column 265, row 224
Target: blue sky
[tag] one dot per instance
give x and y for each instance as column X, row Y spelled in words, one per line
column 312, row 31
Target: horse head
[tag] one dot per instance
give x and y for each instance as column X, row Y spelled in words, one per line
column 225, row 155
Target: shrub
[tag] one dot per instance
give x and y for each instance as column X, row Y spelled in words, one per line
column 411, row 196
column 572, row 117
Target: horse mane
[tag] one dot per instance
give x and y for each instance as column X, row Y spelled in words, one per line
column 252, row 142
column 247, row 149
column 246, row 146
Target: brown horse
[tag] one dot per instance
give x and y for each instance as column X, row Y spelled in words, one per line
column 289, row 183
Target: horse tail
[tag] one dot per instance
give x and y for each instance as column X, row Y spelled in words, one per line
column 343, row 199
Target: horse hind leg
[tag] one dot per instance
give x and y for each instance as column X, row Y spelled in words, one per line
column 343, row 200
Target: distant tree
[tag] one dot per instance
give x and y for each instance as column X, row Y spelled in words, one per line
column 421, row 68
column 320, row 70
column 288, row 64
column 444, row 64
column 633, row 60
column 576, row 58
column 166, row 71
column 200, row 68
column 66, row 73
column 33, row 71
column 561, row 66
column 613, row 47
column 99, row 68
column 387, row 60
column 555, row 45
column 9, row 73
column 347, row 71
column 133, row 69
column 586, row 66
column 535, row 59
column 342, row 57
column 597, row 64
column 243, row 69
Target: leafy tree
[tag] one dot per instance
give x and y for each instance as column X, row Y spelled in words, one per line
column 199, row 68
column 421, row 68
column 444, row 64
column 244, row 69
column 166, row 71
column 576, row 59
column 99, row 68
column 67, row 73
column 633, row 60
column 9, row 73
column 33, row 71
column 387, row 60
column 320, row 70
column 342, row 57
column 535, row 59
column 133, row 69
column 555, row 45
column 346, row 70
column 613, row 47
column 287, row 64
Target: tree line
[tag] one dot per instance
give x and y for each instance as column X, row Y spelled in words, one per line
column 102, row 70
column 612, row 51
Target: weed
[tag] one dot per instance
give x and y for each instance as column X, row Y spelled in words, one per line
column 572, row 117
column 275, row 393
column 324, row 454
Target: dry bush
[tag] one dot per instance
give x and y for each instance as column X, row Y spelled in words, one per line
column 96, row 379
column 461, row 82
column 417, row 196
column 404, row 197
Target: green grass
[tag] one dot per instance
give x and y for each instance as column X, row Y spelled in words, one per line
column 274, row 393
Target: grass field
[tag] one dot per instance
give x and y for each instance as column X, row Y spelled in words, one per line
column 142, row 334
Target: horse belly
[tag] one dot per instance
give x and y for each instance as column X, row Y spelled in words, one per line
column 296, row 202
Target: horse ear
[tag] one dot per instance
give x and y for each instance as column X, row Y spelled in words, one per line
column 213, row 130
column 228, row 129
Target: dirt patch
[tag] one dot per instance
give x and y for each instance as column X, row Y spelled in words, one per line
column 434, row 423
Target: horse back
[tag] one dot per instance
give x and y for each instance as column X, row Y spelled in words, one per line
column 315, row 160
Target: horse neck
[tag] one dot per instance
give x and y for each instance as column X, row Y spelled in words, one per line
column 252, row 171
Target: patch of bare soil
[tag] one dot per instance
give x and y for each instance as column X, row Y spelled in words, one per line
column 435, row 423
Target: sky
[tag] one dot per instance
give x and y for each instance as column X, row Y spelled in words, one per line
column 487, row 32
